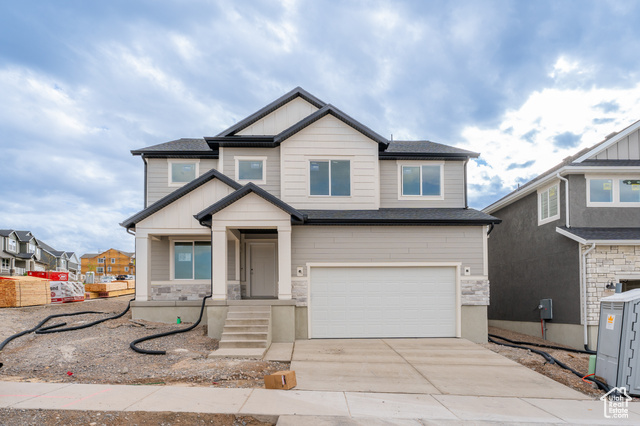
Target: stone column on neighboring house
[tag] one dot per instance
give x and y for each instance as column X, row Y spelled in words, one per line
column 12, row 266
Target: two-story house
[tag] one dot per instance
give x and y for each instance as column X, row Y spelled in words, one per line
column 339, row 231
column 109, row 262
column 20, row 252
column 568, row 235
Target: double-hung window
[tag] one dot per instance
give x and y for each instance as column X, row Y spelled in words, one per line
column 183, row 171
column 12, row 246
column 100, row 269
column 251, row 169
column 330, row 177
column 548, row 204
column 192, row 260
column 113, row 260
column 604, row 191
column 419, row 180
column 101, row 260
column 6, row 264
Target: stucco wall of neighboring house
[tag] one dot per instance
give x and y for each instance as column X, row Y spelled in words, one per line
column 158, row 176
column 453, row 187
column 583, row 216
column 280, row 119
column 330, row 139
column 528, row 262
column 272, row 165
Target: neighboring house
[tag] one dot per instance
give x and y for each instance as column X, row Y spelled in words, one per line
column 539, row 251
column 110, row 262
column 22, row 252
column 299, row 207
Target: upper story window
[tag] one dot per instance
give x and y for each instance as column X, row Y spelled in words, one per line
column 113, row 260
column 31, row 248
column 192, row 260
column 548, row 204
column 330, row 177
column 420, row 180
column 101, row 260
column 12, row 245
column 183, row 171
column 251, row 169
column 613, row 192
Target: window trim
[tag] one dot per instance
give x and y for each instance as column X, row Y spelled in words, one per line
column 99, row 269
column 109, row 269
column 172, row 269
column 329, row 160
column 12, row 247
column 615, row 179
column 170, row 163
column 113, row 260
column 262, row 181
column 541, row 191
column 414, row 163
column 101, row 260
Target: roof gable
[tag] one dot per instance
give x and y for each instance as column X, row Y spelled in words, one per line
column 204, row 217
column 624, row 145
column 263, row 112
column 177, row 194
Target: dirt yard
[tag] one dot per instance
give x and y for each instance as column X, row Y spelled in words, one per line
column 577, row 361
column 101, row 354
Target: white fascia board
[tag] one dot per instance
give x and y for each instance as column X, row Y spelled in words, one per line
column 598, row 242
column 614, row 139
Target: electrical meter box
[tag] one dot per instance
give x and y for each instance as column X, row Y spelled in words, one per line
column 546, row 309
column 618, row 356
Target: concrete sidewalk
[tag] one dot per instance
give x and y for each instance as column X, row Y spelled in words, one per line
column 296, row 407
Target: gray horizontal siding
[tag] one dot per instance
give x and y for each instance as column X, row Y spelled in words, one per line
column 388, row 244
column 272, row 166
column 158, row 177
column 453, row 187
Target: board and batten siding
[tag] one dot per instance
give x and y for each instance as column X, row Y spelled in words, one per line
column 330, row 139
column 158, row 176
column 179, row 214
column 340, row 244
column 272, row 166
column 390, row 186
column 280, row 119
column 627, row 148
column 159, row 260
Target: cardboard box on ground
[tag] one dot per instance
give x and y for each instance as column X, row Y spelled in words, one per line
column 280, row 380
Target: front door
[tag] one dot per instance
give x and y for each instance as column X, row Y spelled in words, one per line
column 263, row 270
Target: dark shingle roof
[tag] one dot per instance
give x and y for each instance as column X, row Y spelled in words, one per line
column 591, row 234
column 25, row 255
column 205, row 215
column 5, row 232
column 89, row 255
column 24, row 236
column 184, row 146
column 178, row 193
column 607, row 163
column 426, row 147
column 400, row 216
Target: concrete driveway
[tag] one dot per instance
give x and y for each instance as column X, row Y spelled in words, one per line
column 421, row 366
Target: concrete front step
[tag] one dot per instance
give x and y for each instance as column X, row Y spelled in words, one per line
column 250, row 353
column 248, row 314
column 245, row 328
column 263, row 308
column 247, row 321
column 243, row 336
column 227, row 344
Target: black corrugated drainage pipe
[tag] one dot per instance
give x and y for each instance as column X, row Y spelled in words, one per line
column 168, row 333
column 552, row 360
column 539, row 345
column 91, row 324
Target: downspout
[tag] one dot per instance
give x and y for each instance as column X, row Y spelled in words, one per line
column 466, row 206
column 566, row 197
column 584, row 294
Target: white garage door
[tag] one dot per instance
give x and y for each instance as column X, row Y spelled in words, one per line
column 354, row 302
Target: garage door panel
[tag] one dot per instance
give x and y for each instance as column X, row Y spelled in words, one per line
column 383, row 302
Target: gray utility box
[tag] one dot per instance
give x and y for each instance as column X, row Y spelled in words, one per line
column 618, row 358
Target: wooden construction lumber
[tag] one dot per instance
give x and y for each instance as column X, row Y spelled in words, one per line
column 24, row 291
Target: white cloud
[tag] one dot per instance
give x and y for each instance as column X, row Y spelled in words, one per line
column 551, row 125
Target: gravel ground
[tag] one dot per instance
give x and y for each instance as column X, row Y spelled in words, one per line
column 101, row 354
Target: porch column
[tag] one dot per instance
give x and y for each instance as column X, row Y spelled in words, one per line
column 143, row 251
column 219, row 263
column 284, row 263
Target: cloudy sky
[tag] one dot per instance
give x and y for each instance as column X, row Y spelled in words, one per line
column 526, row 83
